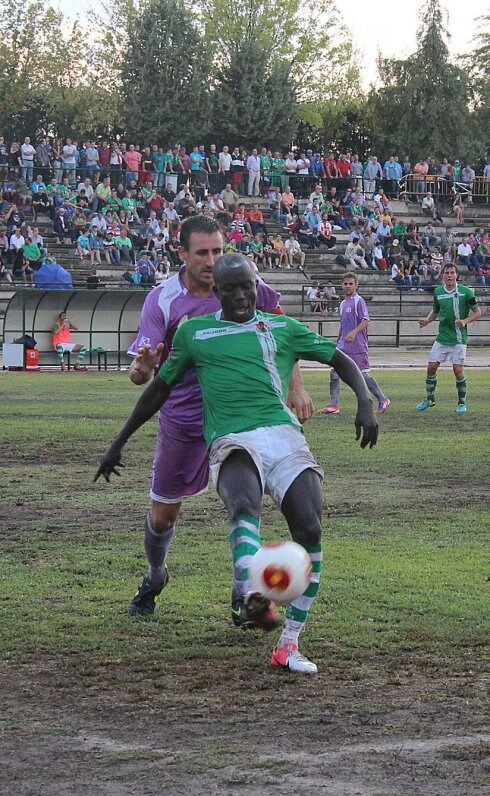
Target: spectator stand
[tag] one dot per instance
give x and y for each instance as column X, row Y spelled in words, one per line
column 107, row 321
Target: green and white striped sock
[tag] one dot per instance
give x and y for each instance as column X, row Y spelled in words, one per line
column 461, row 386
column 430, row 386
column 297, row 610
column 245, row 540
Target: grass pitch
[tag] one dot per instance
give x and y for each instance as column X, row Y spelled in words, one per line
column 403, row 598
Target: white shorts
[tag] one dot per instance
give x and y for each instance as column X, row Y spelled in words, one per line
column 280, row 454
column 455, row 353
column 67, row 346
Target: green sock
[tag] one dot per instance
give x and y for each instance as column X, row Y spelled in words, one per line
column 461, row 386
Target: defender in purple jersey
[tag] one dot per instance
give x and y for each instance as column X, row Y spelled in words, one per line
column 353, row 340
column 180, row 464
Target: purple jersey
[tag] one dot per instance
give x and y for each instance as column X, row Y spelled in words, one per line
column 353, row 310
column 165, row 308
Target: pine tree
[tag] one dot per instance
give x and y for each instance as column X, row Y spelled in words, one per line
column 165, row 75
column 254, row 101
column 423, row 107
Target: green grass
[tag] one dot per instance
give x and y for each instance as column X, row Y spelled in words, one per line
column 406, row 527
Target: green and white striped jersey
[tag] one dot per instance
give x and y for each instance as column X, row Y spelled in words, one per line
column 243, row 368
column 452, row 305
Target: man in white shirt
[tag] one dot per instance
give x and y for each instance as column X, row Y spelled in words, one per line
column 27, row 153
column 293, row 249
column 466, row 256
column 224, row 166
column 253, row 166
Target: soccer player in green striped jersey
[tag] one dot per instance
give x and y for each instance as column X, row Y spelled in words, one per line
column 243, row 359
column 455, row 305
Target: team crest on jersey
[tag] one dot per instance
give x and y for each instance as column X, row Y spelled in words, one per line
column 261, row 326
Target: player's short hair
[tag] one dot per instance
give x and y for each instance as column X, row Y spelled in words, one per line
column 205, row 224
column 226, row 262
column 351, row 275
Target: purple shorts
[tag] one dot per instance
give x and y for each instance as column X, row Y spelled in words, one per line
column 180, row 464
column 361, row 359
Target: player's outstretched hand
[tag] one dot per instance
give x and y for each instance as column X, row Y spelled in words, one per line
column 146, row 360
column 110, row 461
column 366, row 424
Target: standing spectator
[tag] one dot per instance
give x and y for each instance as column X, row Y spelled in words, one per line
column 420, row 171
column 4, row 159
column 27, row 153
column 468, row 178
column 224, row 167
column 253, row 167
column 69, row 160
column 132, row 159
column 372, row 173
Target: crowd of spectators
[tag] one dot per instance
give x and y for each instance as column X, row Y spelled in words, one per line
column 123, row 205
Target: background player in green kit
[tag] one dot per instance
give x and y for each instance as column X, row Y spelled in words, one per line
column 243, row 359
column 456, row 307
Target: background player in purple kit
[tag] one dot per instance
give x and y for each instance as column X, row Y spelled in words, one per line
column 180, row 464
column 353, row 340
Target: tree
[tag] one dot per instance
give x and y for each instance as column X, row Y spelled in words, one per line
column 422, row 106
column 254, row 101
column 165, row 85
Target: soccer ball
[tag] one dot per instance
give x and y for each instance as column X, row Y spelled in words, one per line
column 280, row 571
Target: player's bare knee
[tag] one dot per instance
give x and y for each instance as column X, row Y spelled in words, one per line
column 164, row 516
column 308, row 534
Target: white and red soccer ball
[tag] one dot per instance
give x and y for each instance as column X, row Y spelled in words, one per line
column 280, row 571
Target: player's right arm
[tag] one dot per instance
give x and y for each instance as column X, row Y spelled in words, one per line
column 149, row 403
column 430, row 317
column 143, row 365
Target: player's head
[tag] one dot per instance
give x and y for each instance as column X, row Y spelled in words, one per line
column 201, row 243
column 235, row 286
column 349, row 283
column 450, row 275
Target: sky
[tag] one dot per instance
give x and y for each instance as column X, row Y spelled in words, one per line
column 389, row 27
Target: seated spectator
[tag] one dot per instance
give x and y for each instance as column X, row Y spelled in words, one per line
column 413, row 245
column 314, row 296
column 279, row 247
column 429, row 207
column 330, row 297
column 124, row 246
column 52, row 276
column 145, row 268
column 83, row 245
column 62, row 226
column 288, row 202
column 481, row 275
column 378, row 257
column 15, row 255
column 5, row 273
column 397, row 275
column 458, row 209
column 256, row 220
column 355, row 252
column 325, row 234
column 305, row 233
column 229, row 198
column 429, row 237
column 257, row 250
column 32, row 254
column 294, row 250
column 466, row 255
column 271, row 255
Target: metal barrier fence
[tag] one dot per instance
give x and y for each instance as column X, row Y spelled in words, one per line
column 411, row 185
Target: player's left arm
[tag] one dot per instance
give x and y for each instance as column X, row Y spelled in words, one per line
column 365, row 421
column 359, row 328
column 473, row 316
